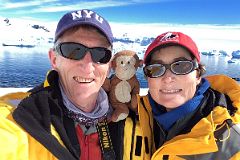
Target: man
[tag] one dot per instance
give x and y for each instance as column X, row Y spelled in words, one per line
column 65, row 117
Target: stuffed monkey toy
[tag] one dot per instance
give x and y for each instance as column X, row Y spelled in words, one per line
column 124, row 85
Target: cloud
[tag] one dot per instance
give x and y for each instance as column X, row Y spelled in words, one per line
column 90, row 5
column 21, row 9
column 18, row 5
column 45, row 6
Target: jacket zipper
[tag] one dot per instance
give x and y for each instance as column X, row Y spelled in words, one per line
column 133, row 136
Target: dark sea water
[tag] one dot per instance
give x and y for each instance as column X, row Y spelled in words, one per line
column 27, row 67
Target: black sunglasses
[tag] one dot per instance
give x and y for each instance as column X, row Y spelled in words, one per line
column 77, row 51
column 181, row 67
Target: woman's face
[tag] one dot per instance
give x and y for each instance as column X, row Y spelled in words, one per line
column 171, row 90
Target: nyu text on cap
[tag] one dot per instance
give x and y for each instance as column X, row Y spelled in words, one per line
column 83, row 17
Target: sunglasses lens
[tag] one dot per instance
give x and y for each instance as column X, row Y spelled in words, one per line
column 101, row 55
column 77, row 51
column 178, row 68
column 72, row 51
column 182, row 67
column 154, row 70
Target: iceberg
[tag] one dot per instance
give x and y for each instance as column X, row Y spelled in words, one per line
column 236, row 54
column 231, row 61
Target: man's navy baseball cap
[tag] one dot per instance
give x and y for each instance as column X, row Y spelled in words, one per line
column 83, row 17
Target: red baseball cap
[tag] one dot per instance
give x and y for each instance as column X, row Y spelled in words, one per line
column 177, row 38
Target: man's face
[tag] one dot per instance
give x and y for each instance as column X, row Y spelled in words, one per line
column 81, row 79
column 171, row 90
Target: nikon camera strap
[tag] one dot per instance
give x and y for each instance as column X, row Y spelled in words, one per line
column 105, row 141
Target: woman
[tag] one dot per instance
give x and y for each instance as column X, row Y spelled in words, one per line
column 186, row 116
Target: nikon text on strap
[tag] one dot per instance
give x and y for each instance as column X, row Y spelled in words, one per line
column 105, row 141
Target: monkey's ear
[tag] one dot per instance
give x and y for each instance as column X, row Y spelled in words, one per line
column 140, row 63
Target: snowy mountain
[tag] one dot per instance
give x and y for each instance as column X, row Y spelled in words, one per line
column 29, row 33
column 24, row 33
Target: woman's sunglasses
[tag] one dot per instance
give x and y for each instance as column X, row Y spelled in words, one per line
column 77, row 51
column 181, row 67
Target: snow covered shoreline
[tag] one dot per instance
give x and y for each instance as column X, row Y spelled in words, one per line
column 4, row 91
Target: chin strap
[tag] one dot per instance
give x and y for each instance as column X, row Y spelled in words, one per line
column 105, row 141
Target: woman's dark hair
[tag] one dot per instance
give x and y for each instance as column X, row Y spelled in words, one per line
column 201, row 69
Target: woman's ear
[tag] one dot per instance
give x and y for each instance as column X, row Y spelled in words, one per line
column 199, row 80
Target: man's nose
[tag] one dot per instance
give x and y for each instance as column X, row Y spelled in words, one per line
column 87, row 62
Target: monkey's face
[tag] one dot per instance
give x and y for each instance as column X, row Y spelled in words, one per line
column 125, row 67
